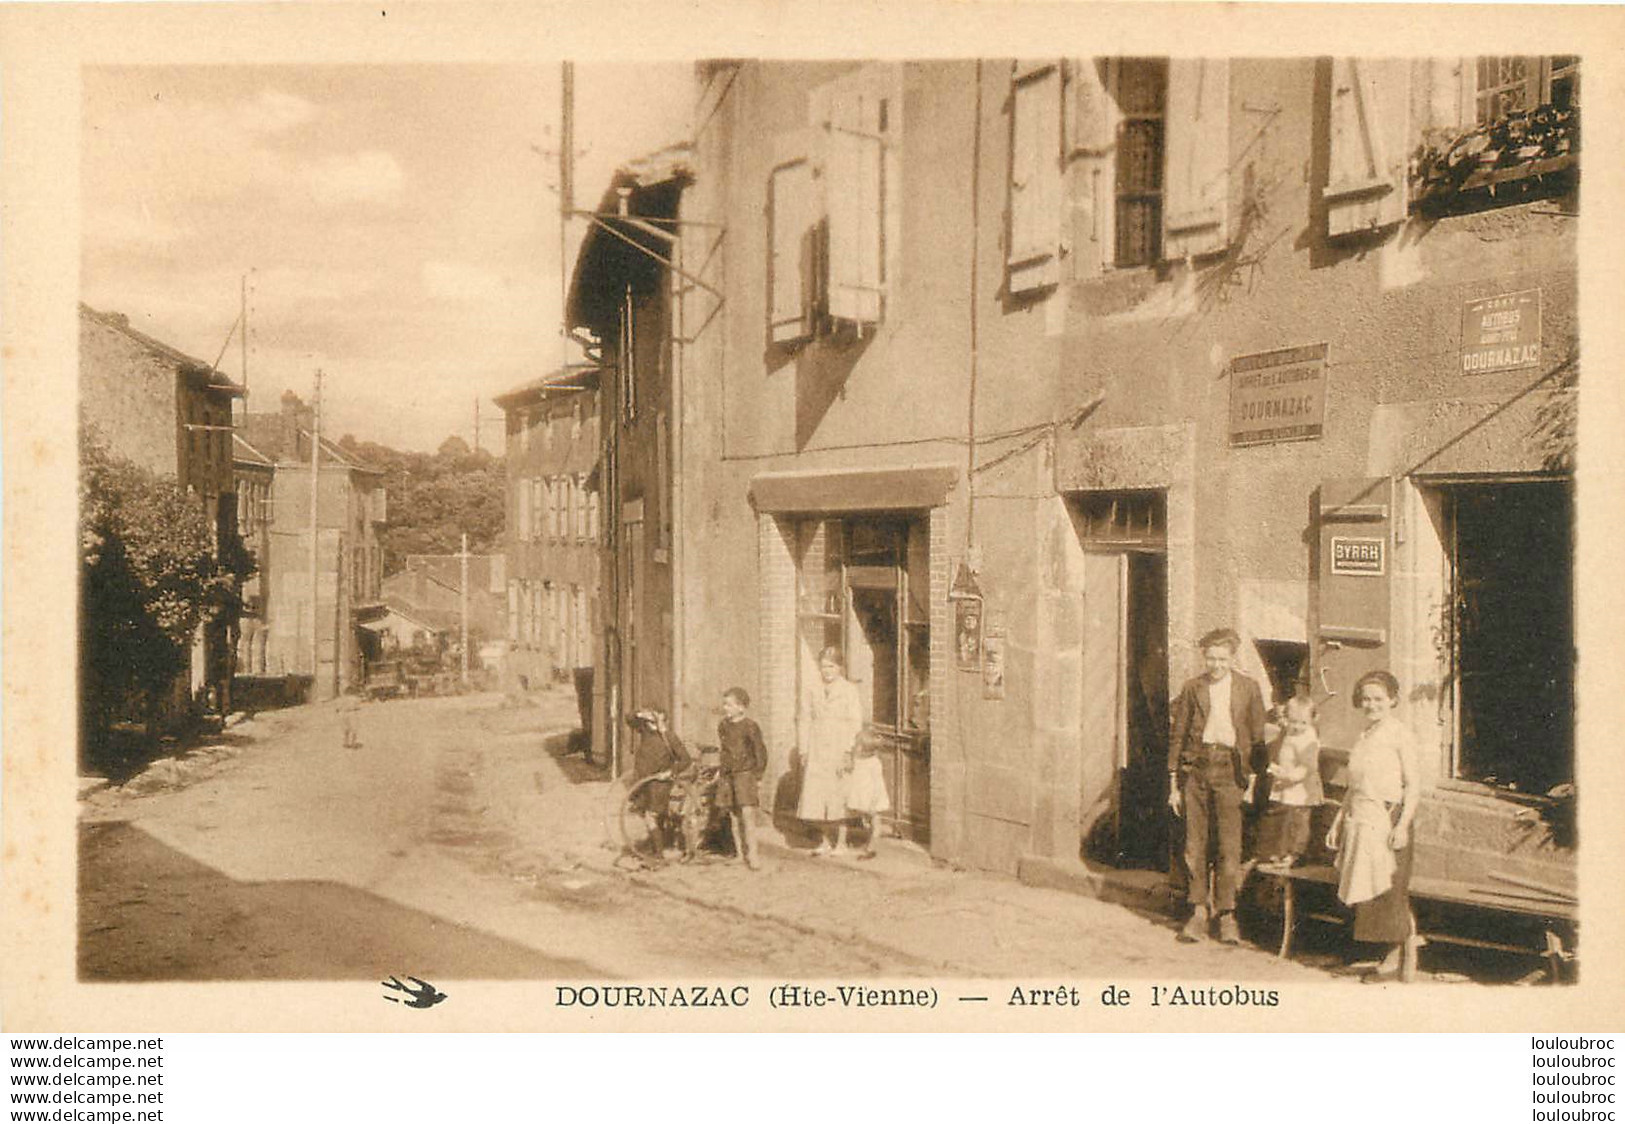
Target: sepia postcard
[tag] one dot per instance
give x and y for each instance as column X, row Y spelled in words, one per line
column 743, row 516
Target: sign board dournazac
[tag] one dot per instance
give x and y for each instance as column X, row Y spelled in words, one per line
column 1500, row 333
column 1278, row 395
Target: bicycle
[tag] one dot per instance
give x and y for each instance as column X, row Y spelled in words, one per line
column 688, row 813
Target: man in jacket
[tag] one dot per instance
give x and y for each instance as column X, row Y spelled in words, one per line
column 1218, row 730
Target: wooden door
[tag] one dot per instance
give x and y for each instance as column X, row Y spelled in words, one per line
column 1105, row 734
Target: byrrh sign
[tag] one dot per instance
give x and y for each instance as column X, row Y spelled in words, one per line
column 1278, row 395
column 1500, row 333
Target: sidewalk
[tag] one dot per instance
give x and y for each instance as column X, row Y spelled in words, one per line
column 904, row 906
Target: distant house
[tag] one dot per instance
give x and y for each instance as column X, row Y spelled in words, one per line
column 430, row 588
column 349, row 557
column 553, row 522
column 254, row 474
column 171, row 414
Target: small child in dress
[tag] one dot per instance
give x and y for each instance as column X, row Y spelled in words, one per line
column 744, row 759
column 1296, row 789
column 866, row 787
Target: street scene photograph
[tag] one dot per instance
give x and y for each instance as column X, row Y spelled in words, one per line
column 879, row 520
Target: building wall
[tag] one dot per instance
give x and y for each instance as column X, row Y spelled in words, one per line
column 347, row 535
column 129, row 394
column 1156, row 342
column 550, row 437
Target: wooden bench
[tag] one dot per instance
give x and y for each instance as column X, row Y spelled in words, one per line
column 1559, row 920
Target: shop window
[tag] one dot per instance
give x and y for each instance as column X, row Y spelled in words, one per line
column 1512, row 633
column 863, row 588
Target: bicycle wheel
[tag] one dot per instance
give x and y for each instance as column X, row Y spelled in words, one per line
column 634, row 822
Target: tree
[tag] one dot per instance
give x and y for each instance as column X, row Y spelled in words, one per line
column 149, row 576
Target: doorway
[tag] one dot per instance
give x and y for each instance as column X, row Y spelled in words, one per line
column 1125, row 664
column 1513, row 600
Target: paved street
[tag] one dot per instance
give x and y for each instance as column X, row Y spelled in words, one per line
column 459, row 842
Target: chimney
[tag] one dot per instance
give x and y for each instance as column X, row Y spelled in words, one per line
column 295, row 416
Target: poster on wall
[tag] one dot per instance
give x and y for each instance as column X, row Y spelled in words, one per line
column 968, row 632
column 993, row 666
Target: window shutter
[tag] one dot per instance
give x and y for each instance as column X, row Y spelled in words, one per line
column 524, row 510
column 1370, row 112
column 853, row 157
column 513, row 611
column 1035, row 177
column 1354, row 521
column 792, row 216
column 1091, row 125
column 1195, row 216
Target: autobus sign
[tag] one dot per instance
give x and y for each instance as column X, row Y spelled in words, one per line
column 1500, row 333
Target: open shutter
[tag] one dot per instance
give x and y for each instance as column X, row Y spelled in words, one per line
column 1034, row 254
column 854, row 154
column 1351, row 613
column 1195, row 215
column 1370, row 114
column 1091, row 125
column 792, row 216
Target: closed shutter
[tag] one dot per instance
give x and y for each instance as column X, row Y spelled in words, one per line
column 1370, row 115
column 524, row 510
column 854, row 157
column 1033, row 260
column 1351, row 613
column 1195, row 216
column 792, row 215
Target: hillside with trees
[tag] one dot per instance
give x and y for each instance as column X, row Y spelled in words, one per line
column 434, row 498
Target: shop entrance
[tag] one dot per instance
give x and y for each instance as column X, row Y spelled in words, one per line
column 1125, row 666
column 1511, row 555
column 865, row 591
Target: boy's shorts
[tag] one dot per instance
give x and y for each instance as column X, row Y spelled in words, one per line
column 738, row 790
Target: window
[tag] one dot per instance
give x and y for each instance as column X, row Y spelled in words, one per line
column 864, row 589
column 1148, row 160
column 592, row 516
column 524, row 502
column 833, row 223
column 1124, row 520
column 580, row 486
column 1507, row 86
column 1142, row 87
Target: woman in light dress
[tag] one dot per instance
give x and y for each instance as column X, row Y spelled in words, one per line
column 1372, row 833
column 833, row 719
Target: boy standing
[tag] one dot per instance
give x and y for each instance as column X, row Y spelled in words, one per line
column 1218, row 728
column 744, row 759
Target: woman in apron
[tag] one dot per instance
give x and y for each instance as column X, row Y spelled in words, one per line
column 1372, row 834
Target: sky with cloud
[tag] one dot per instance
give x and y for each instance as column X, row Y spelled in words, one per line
column 398, row 225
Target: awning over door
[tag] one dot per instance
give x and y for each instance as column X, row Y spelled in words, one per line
column 864, row 489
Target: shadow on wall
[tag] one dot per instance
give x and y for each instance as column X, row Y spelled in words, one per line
column 821, row 369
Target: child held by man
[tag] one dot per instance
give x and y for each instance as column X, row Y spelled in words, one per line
column 1295, row 789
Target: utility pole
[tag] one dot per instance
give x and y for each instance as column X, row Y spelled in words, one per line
column 567, row 192
column 463, row 585
column 315, row 536
column 243, row 315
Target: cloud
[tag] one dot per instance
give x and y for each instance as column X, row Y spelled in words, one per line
column 369, row 176
column 462, row 283
column 274, row 112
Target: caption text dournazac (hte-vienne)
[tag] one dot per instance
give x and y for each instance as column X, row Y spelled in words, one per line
column 863, row 996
